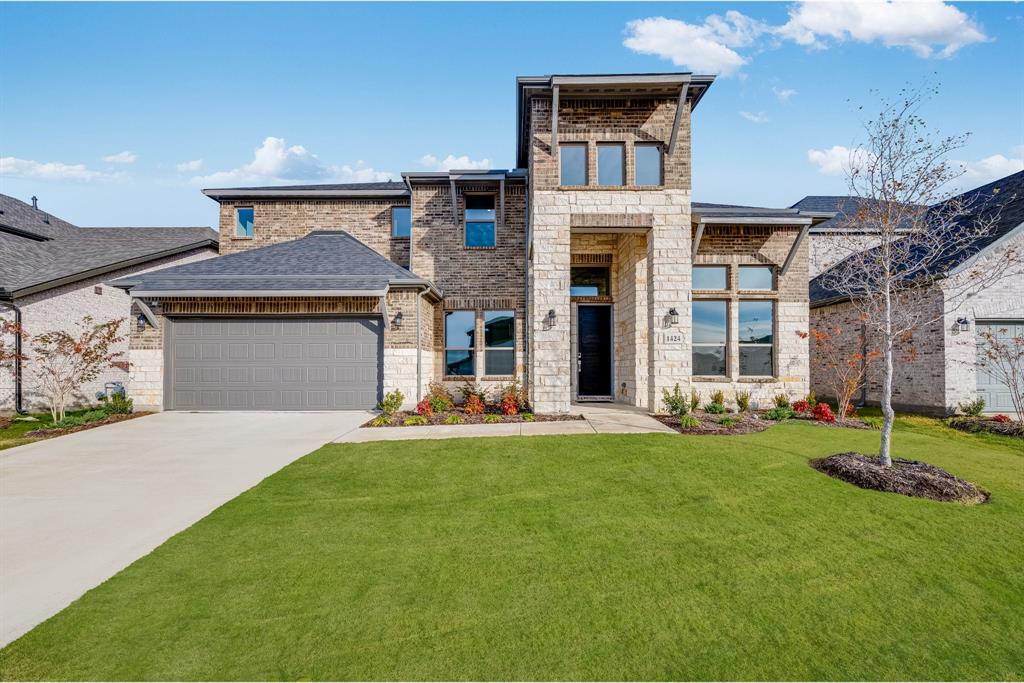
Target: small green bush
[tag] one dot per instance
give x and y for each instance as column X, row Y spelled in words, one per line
column 70, row 421
column 381, row 421
column 440, row 404
column 689, row 422
column 528, row 417
column 715, row 408
column 454, row 419
column 718, row 396
column 392, row 402
column 779, row 413
column 491, row 418
column 743, row 401
column 694, row 400
column 116, row 404
column 677, row 404
column 415, row 421
column 972, row 408
column 873, row 422
column 781, row 400
column 728, row 422
column 812, row 400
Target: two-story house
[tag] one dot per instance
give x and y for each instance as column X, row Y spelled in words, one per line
column 586, row 273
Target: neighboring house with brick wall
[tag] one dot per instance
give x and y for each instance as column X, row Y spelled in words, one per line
column 53, row 273
column 586, row 273
column 942, row 372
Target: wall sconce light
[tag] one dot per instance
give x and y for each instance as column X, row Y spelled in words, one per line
column 140, row 322
column 673, row 316
column 397, row 322
column 550, row 319
column 963, row 324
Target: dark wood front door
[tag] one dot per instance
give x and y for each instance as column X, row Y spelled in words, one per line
column 594, row 351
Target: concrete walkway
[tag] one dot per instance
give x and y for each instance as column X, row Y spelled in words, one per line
column 77, row 509
column 599, row 418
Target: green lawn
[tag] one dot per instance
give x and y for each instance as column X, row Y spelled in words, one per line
column 586, row 557
column 14, row 434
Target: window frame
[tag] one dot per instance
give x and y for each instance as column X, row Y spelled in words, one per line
column 608, row 279
column 466, row 221
column 488, row 350
column 622, row 148
column 751, row 266
column 394, row 210
column 657, row 147
column 773, row 304
column 238, row 222
column 724, row 344
column 471, row 349
column 586, row 163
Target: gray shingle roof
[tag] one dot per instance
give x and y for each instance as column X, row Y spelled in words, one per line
column 322, row 261
column 59, row 252
column 384, row 185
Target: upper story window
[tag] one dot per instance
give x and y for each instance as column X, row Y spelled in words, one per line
column 711, row 277
column 480, row 217
column 460, row 343
column 588, row 281
column 572, row 159
column 754, row 278
column 648, row 163
column 611, row 163
column 401, row 221
column 244, row 218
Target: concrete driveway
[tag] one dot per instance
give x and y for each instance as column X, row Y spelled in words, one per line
column 77, row 509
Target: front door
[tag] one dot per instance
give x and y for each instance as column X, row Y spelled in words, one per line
column 594, row 351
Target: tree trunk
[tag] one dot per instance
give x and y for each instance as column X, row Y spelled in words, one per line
column 888, row 415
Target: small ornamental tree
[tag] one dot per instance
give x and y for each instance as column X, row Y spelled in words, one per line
column 63, row 361
column 1003, row 359
column 9, row 356
column 845, row 371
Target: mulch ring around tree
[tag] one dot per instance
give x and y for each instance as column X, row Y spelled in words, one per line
column 61, row 431
column 975, row 425
column 398, row 419
column 734, row 423
column 906, row 477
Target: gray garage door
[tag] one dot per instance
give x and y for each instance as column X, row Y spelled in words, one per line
column 995, row 392
column 273, row 363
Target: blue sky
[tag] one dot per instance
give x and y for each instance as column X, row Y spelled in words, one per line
column 117, row 114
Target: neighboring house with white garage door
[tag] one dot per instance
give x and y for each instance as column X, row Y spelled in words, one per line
column 53, row 273
column 943, row 371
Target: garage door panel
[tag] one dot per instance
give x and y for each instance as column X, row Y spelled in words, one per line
column 994, row 391
column 274, row 364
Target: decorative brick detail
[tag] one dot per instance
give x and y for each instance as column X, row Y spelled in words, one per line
column 612, row 220
column 271, row 306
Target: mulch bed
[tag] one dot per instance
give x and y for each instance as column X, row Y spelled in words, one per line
column 746, row 423
column 61, row 431
column 984, row 424
column 906, row 477
column 851, row 422
column 439, row 418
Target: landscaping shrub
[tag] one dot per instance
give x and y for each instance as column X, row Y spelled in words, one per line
column 381, row 421
column 440, row 398
column 743, row 401
column 512, row 398
column 116, row 404
column 811, row 399
column 509, row 405
column 694, row 400
column 823, row 413
column 1001, row 419
column 527, row 417
column 439, row 404
column 470, row 389
column 779, row 413
column 715, row 408
column 972, row 408
column 781, row 400
column 424, row 408
column 851, row 410
column 474, row 405
column 677, row 404
column 873, row 422
column 801, row 406
column 454, row 419
column 718, row 396
column 392, row 402
column 728, row 422
column 689, row 422
column 492, row 418
column 415, row 420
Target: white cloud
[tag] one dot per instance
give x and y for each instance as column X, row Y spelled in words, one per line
column 991, row 168
column 927, row 27
column 193, row 166
column 52, row 170
column 124, row 157
column 462, row 163
column 836, row 160
column 275, row 162
column 707, row 47
column 759, row 117
column 783, row 94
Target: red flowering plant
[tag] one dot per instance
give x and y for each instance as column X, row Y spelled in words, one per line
column 1002, row 419
column 473, row 405
column 851, row 410
column 823, row 413
column 424, row 408
column 509, row 404
column 801, row 406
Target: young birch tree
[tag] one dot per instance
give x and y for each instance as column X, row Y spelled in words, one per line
column 900, row 177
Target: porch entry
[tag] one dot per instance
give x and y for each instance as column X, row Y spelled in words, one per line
column 594, row 352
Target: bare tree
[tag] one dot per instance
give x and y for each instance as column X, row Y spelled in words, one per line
column 901, row 179
column 1003, row 359
column 845, row 371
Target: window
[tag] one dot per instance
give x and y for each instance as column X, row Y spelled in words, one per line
column 757, row 278
column 499, row 342
column 588, row 281
column 244, row 217
column 611, row 164
column 480, row 217
column 711, row 277
column 459, row 343
column 573, row 162
column 648, row 164
column 756, row 332
column 401, row 221
column 710, row 325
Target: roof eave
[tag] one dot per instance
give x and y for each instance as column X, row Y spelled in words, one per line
column 219, row 194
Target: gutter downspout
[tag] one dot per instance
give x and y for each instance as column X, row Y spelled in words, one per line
column 419, row 350
column 18, row 407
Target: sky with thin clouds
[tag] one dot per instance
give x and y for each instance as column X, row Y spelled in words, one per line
column 131, row 109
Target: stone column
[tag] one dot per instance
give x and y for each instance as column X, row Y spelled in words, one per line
column 550, row 355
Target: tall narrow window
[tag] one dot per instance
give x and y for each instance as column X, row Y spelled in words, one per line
column 711, row 277
column 611, row 164
column 244, row 218
column 499, row 342
column 401, row 221
column 756, row 333
column 757, row 278
column 710, row 334
column 480, row 216
column 648, row 163
column 460, row 343
column 573, row 161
